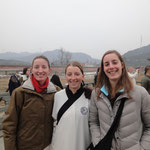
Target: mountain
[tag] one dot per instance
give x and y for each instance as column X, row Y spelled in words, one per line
column 135, row 58
column 54, row 56
column 13, row 63
column 138, row 57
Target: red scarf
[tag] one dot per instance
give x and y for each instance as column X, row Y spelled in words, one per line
column 36, row 85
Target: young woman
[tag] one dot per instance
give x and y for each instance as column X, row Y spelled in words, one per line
column 114, row 86
column 70, row 111
column 28, row 124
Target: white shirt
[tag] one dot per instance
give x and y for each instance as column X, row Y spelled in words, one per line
column 72, row 131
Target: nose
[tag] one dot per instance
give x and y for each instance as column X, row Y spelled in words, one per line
column 111, row 65
column 40, row 69
column 73, row 77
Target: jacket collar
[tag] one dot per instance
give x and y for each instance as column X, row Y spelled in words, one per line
column 105, row 91
column 28, row 85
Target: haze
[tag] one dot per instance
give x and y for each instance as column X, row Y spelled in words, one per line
column 89, row 26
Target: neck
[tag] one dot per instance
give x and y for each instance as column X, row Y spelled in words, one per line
column 113, row 84
column 73, row 90
column 41, row 83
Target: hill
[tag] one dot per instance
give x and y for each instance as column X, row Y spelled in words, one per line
column 138, row 57
column 54, row 57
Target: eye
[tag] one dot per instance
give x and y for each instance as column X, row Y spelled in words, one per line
column 68, row 74
column 106, row 64
column 77, row 73
column 36, row 67
column 44, row 67
column 115, row 62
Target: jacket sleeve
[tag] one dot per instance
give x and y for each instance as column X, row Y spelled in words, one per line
column 144, row 83
column 145, row 140
column 94, row 120
column 10, row 122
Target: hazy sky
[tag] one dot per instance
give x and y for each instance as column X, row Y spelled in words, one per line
column 89, row 26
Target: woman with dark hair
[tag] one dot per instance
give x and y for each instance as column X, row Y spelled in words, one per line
column 56, row 80
column 119, row 111
column 71, row 111
column 146, row 79
column 28, row 123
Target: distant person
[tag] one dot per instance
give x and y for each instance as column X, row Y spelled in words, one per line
column 13, row 83
column 132, row 74
column 71, row 111
column 28, row 123
column 145, row 82
column 56, row 80
column 25, row 74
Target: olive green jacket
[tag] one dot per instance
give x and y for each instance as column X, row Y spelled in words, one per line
column 146, row 83
column 28, row 123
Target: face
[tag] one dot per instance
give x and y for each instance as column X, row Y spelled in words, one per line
column 28, row 71
column 148, row 72
column 40, row 70
column 112, row 67
column 74, row 78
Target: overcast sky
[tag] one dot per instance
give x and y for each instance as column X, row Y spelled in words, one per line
column 89, row 26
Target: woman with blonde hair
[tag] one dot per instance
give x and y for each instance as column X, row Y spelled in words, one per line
column 71, row 111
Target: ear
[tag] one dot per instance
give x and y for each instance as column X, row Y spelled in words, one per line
column 123, row 65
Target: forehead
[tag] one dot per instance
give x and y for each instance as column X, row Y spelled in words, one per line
column 73, row 69
column 110, row 57
column 40, row 61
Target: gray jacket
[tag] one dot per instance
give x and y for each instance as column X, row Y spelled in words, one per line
column 130, row 135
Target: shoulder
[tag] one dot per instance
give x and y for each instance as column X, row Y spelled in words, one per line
column 139, row 92
column 138, row 88
column 60, row 93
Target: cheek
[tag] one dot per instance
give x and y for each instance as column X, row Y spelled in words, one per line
column 67, row 78
column 105, row 69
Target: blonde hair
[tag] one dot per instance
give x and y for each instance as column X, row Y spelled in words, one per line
column 75, row 64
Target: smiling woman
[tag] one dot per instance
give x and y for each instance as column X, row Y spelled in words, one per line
column 119, row 110
column 28, row 123
column 70, row 112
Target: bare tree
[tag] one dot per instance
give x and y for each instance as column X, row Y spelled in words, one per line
column 64, row 57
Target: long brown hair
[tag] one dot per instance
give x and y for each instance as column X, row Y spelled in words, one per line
column 124, row 81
